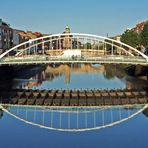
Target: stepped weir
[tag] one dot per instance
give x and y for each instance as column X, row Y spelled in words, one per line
column 80, row 97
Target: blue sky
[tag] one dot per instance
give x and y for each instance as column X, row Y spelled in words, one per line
column 86, row 16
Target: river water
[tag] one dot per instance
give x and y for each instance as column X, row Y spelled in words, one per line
column 89, row 127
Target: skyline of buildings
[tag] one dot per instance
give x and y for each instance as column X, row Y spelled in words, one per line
column 10, row 36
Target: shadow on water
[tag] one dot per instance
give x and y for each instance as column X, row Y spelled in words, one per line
column 8, row 74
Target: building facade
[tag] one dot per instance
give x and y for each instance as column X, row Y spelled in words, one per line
column 6, row 36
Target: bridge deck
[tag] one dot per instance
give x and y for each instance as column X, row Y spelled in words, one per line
column 96, row 59
column 73, row 97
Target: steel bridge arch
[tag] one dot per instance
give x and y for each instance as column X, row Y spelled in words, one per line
column 87, row 36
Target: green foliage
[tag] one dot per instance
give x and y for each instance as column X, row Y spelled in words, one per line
column 144, row 35
column 131, row 38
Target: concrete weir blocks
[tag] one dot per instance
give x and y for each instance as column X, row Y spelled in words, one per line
column 74, row 97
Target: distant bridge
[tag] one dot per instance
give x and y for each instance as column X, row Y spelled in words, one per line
column 94, row 49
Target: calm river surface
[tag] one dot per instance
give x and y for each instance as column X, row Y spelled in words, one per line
column 48, row 127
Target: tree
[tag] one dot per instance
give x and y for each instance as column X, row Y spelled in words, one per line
column 144, row 36
column 131, row 38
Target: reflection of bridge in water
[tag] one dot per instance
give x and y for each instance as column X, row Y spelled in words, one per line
column 73, row 119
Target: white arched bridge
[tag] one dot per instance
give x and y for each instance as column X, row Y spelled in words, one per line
column 82, row 48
